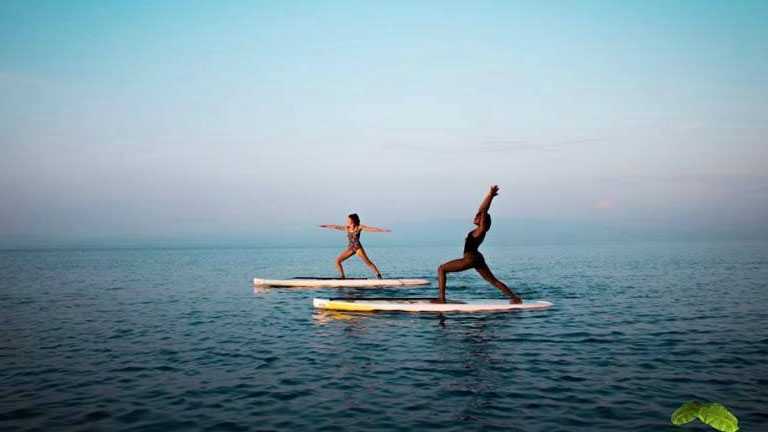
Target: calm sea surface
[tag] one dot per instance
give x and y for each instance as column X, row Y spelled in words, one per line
column 178, row 339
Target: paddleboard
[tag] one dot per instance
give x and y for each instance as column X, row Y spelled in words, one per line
column 338, row 283
column 424, row 305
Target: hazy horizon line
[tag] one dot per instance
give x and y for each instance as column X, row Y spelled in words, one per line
column 446, row 232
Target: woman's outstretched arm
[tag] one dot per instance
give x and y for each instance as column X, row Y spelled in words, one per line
column 336, row 227
column 374, row 229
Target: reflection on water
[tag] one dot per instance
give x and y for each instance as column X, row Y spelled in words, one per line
column 324, row 316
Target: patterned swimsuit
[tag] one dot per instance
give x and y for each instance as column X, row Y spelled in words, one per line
column 354, row 240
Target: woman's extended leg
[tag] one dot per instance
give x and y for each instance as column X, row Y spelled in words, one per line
column 456, row 265
column 485, row 272
column 361, row 253
column 344, row 255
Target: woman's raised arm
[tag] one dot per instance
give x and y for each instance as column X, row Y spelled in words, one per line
column 486, row 204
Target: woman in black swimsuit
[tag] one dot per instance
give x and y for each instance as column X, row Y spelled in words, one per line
column 353, row 229
column 473, row 258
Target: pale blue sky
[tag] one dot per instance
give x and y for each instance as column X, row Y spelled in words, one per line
column 191, row 118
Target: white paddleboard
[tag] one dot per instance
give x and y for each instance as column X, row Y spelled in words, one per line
column 338, row 283
column 424, row 305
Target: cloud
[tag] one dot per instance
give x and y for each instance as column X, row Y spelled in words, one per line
column 578, row 141
column 493, row 145
column 508, row 145
column 12, row 79
column 604, row 205
column 733, row 183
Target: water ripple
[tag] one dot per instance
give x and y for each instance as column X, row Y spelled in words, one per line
column 143, row 340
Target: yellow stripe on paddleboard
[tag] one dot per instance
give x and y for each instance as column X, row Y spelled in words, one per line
column 347, row 306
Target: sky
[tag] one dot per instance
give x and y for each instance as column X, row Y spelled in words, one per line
column 194, row 118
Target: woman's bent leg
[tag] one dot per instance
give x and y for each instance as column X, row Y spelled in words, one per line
column 456, row 265
column 344, row 255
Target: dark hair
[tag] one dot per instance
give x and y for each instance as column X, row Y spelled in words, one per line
column 487, row 221
column 355, row 218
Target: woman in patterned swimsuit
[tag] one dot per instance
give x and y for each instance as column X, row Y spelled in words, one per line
column 353, row 229
column 472, row 257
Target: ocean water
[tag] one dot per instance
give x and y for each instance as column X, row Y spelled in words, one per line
column 178, row 339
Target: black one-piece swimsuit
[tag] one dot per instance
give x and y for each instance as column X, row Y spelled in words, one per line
column 471, row 244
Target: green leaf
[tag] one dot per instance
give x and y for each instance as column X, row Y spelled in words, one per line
column 686, row 413
column 718, row 417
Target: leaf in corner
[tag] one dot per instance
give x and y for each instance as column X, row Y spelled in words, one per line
column 686, row 413
column 718, row 417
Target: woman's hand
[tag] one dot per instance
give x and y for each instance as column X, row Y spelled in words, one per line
column 494, row 190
